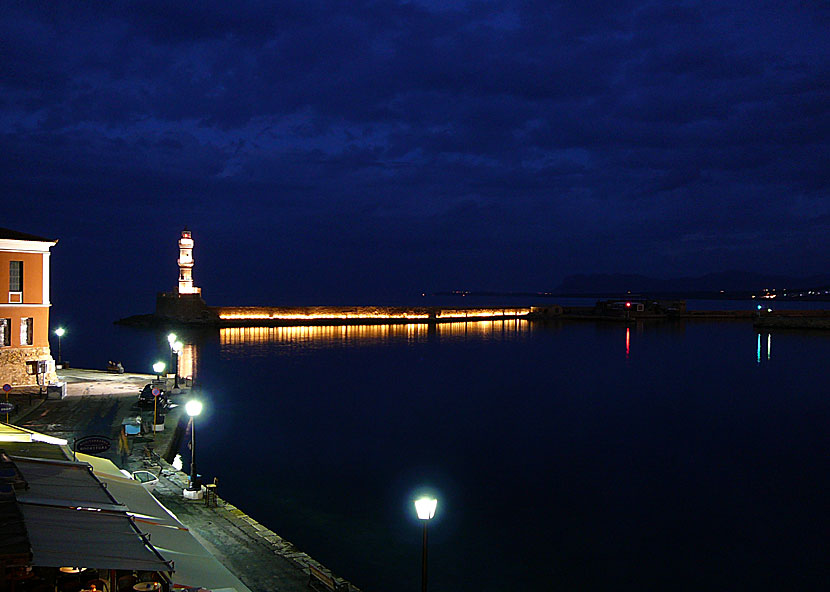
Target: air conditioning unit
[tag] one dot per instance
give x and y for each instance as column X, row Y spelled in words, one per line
column 56, row 391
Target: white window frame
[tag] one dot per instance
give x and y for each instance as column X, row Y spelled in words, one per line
column 5, row 332
column 27, row 330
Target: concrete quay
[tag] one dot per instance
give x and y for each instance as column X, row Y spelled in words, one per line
column 98, row 402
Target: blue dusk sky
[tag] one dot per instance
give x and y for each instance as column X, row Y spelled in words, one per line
column 359, row 152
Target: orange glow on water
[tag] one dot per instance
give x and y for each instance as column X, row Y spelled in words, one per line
column 326, row 333
column 483, row 329
column 334, row 335
column 188, row 360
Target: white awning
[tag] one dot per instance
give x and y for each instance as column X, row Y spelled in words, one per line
column 10, row 433
column 72, row 520
column 86, row 538
column 194, row 565
column 61, row 483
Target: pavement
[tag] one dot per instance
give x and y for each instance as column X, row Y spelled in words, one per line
column 98, row 402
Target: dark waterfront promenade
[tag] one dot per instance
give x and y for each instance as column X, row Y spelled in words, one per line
column 97, row 403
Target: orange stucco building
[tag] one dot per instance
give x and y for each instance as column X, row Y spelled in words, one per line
column 24, row 308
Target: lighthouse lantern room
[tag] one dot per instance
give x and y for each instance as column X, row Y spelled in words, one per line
column 186, row 264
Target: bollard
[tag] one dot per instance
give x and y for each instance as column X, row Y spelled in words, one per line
column 210, row 495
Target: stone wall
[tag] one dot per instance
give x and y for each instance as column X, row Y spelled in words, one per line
column 248, row 316
column 15, row 371
column 772, row 321
column 323, row 312
column 183, row 307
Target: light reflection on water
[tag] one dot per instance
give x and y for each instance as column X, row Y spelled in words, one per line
column 589, row 425
column 769, row 347
column 188, row 361
column 264, row 340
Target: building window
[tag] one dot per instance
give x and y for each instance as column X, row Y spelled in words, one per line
column 26, row 330
column 15, row 276
column 5, row 332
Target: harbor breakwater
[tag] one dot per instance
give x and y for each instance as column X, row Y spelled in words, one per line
column 792, row 319
column 191, row 309
column 235, row 316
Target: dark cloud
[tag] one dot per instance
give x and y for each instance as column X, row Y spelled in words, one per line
column 550, row 137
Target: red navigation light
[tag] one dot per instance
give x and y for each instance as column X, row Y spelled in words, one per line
column 628, row 305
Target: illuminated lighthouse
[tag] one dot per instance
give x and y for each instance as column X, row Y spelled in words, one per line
column 184, row 303
column 186, row 264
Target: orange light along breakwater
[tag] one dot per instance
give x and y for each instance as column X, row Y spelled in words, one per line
column 191, row 309
column 339, row 315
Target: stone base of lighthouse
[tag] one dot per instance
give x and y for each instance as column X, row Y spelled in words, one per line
column 187, row 308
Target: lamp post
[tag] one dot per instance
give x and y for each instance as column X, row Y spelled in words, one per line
column 171, row 339
column 425, row 508
column 60, row 331
column 158, row 368
column 177, row 349
column 193, row 409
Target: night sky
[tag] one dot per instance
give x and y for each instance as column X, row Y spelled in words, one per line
column 361, row 152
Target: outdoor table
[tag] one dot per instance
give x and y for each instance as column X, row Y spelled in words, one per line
column 147, row 587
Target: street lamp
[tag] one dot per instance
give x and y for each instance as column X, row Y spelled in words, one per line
column 158, row 368
column 193, row 409
column 177, row 349
column 60, row 332
column 425, row 508
column 171, row 339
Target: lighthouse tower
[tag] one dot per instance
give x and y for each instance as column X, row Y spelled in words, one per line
column 186, row 264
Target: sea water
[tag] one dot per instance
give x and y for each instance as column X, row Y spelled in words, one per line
column 570, row 455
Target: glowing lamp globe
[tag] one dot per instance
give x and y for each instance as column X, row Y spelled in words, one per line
column 158, row 367
column 193, row 408
column 60, row 331
column 425, row 508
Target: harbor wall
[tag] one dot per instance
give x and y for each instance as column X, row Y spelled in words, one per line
column 230, row 316
column 793, row 319
column 191, row 309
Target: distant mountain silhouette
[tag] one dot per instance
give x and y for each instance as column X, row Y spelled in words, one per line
column 728, row 281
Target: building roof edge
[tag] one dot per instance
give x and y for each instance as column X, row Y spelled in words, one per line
column 8, row 234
